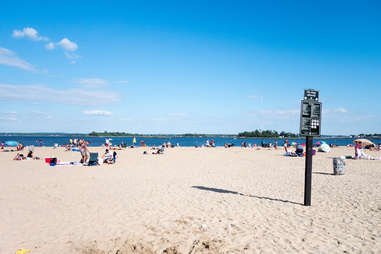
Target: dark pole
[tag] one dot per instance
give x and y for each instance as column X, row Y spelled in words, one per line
column 308, row 174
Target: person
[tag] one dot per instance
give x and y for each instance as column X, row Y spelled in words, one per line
column 2, row 145
column 275, row 144
column 108, row 144
column 299, row 150
column 285, row 145
column 358, row 150
column 84, row 151
column 40, row 142
column 30, row 154
column 207, row 143
column 212, row 143
column 107, row 157
column 19, row 146
column 114, row 155
column 19, row 157
column 160, row 151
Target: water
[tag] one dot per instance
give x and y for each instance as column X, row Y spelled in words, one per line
column 183, row 141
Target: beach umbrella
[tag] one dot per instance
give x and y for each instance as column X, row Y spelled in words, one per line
column 363, row 141
column 11, row 143
column 324, row 148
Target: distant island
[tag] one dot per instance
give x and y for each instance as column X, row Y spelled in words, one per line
column 126, row 134
column 267, row 134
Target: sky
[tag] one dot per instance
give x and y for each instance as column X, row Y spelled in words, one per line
column 162, row 67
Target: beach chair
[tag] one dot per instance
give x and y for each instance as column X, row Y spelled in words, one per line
column 93, row 161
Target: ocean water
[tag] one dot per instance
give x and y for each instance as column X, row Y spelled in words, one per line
column 183, row 141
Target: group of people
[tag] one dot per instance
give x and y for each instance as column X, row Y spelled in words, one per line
column 299, row 150
column 360, row 154
column 108, row 157
column 30, row 156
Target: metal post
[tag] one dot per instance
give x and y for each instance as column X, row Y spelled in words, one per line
column 308, row 174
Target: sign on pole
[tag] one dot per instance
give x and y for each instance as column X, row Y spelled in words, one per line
column 310, row 126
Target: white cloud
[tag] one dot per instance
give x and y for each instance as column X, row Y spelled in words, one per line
column 177, row 115
column 123, row 82
column 8, row 119
column 71, row 55
column 279, row 112
column 50, row 46
column 7, row 57
column 97, row 112
column 9, row 112
column 126, row 118
column 29, row 33
column 256, row 97
column 39, row 114
column 341, row 110
column 68, row 45
column 93, row 82
column 37, row 93
column 8, row 116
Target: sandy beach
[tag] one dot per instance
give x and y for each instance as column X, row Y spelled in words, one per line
column 189, row 200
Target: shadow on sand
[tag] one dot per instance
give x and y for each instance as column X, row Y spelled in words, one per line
column 323, row 173
column 242, row 194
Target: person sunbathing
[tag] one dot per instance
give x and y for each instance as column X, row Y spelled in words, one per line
column 159, row 151
column 289, row 153
column 19, row 157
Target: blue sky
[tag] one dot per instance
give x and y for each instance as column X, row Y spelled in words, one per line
column 180, row 67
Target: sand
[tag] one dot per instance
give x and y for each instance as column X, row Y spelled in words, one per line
column 190, row 200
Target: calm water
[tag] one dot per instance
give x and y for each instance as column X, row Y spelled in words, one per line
column 183, row 141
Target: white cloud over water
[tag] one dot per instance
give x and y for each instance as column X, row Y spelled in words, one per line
column 97, row 112
column 341, row 110
column 38, row 93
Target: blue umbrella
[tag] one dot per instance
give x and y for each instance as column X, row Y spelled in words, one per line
column 11, row 143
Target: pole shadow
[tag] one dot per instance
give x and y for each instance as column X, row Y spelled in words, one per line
column 323, row 173
column 223, row 191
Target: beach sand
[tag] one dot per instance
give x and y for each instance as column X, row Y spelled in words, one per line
column 189, row 200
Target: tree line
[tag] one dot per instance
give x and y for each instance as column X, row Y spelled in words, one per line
column 266, row 134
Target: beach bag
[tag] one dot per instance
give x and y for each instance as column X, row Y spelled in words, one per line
column 53, row 162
